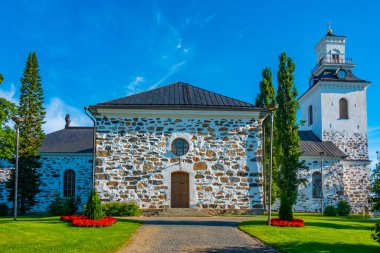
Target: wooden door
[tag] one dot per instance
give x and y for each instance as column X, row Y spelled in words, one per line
column 180, row 194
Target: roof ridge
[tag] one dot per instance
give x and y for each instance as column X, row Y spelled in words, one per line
column 218, row 94
column 179, row 94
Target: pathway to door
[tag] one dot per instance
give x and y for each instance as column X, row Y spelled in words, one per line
column 193, row 234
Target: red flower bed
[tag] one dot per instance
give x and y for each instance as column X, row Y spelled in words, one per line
column 72, row 217
column 83, row 221
column 104, row 222
column 286, row 223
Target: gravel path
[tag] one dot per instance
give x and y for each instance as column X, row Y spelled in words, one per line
column 193, row 234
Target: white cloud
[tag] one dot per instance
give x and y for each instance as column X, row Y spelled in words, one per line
column 209, row 18
column 173, row 69
column 158, row 16
column 9, row 94
column 56, row 111
column 132, row 87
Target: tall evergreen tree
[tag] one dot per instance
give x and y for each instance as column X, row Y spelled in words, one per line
column 7, row 134
column 265, row 98
column 31, row 108
column 32, row 113
column 287, row 140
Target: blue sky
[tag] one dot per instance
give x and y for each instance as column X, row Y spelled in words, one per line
column 93, row 51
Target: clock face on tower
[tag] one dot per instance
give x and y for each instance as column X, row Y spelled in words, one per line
column 341, row 73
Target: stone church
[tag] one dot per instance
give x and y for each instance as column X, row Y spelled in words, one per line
column 180, row 146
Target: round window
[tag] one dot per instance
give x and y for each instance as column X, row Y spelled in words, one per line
column 180, row 147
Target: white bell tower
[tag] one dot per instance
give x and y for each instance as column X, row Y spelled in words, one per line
column 334, row 107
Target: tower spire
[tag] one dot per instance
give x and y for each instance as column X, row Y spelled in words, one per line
column 329, row 31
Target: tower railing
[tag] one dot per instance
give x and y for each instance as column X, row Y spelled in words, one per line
column 330, row 60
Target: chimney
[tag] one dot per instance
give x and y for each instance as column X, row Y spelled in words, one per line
column 68, row 121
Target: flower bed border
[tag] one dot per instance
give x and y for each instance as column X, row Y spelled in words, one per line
column 83, row 221
column 285, row 223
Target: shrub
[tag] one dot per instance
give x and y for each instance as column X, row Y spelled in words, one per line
column 73, row 205
column 330, row 211
column 376, row 233
column 4, row 210
column 93, row 208
column 121, row 209
column 67, row 206
column 344, row 208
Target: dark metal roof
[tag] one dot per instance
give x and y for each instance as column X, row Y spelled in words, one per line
column 311, row 145
column 69, row 140
column 178, row 96
column 330, row 75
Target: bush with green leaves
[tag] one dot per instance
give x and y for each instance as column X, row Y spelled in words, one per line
column 344, row 208
column 121, row 209
column 376, row 233
column 4, row 210
column 93, row 208
column 64, row 206
column 330, row 211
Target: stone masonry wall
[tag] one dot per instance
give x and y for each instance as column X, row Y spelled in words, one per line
column 134, row 161
column 355, row 145
column 333, row 185
column 52, row 169
column 343, row 180
column 357, row 184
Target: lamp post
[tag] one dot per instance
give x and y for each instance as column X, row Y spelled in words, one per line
column 17, row 121
column 272, row 109
column 322, row 193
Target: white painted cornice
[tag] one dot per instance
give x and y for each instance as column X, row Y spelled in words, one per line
column 177, row 113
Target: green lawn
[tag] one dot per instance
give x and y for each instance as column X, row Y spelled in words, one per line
column 320, row 234
column 48, row 234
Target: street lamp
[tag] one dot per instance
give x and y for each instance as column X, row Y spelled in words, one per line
column 17, row 121
column 322, row 193
column 272, row 109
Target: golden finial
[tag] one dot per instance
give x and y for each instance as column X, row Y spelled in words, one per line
column 329, row 31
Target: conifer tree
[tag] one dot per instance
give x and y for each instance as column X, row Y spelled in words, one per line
column 31, row 108
column 32, row 113
column 287, row 140
column 265, row 98
column 94, row 206
column 7, row 134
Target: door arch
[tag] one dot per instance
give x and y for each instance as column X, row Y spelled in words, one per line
column 180, row 192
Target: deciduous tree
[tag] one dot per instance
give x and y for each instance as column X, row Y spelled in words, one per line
column 7, row 134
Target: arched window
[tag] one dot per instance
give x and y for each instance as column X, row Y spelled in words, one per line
column 317, row 185
column 69, row 183
column 343, row 108
column 180, row 147
column 310, row 115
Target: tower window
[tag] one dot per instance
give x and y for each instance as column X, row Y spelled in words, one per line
column 317, row 185
column 335, row 58
column 343, row 108
column 310, row 115
column 69, row 183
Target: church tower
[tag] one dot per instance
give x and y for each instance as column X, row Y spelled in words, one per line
column 334, row 107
